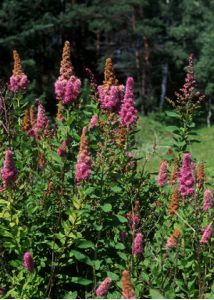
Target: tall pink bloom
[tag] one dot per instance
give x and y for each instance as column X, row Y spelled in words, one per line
column 28, row 261
column 208, row 200
column 83, row 165
column 18, row 81
column 163, row 174
column 186, row 176
column 128, row 113
column 93, row 121
column 42, row 120
column 206, row 235
column 137, row 246
column 8, row 172
column 67, row 86
column 103, row 288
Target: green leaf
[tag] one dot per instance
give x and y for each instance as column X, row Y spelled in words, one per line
column 71, row 295
column 81, row 281
column 173, row 129
column 116, row 189
column 172, row 114
column 155, row 294
column 84, row 244
column 106, row 207
column 122, row 219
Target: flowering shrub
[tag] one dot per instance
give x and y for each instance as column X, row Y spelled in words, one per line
column 78, row 218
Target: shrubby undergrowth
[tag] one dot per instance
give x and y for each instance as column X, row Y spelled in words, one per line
column 79, row 219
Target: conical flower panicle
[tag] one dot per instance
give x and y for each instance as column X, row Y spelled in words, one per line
column 200, row 177
column 128, row 113
column 18, row 81
column 84, row 162
column 174, row 202
column 137, row 246
column 163, row 174
column 174, row 174
column 26, row 121
column 208, row 200
column 186, row 176
column 67, row 86
column 127, row 289
column 28, row 261
column 93, row 121
column 206, row 235
column 8, row 172
column 103, row 288
column 110, row 93
column 32, row 116
column 42, row 120
column 188, row 92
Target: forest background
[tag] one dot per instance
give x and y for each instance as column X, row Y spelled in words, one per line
column 147, row 39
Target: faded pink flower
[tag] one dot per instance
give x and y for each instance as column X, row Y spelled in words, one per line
column 208, row 200
column 137, row 246
column 163, row 174
column 186, row 176
column 128, row 113
column 28, row 261
column 93, row 121
column 8, row 172
column 103, row 288
column 206, row 234
column 63, row 148
column 133, row 220
column 83, row 165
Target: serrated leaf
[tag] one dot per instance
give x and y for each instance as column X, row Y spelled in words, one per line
column 84, row 244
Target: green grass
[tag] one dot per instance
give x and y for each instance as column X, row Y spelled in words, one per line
column 153, row 141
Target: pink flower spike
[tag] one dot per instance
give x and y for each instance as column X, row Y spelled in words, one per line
column 42, row 120
column 93, row 121
column 208, row 200
column 137, row 248
column 163, row 174
column 28, row 261
column 206, row 235
column 8, row 172
column 128, row 113
column 186, row 176
column 103, row 288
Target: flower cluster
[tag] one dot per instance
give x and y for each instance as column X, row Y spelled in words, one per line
column 63, row 148
column 137, row 246
column 186, row 176
column 67, row 86
column 174, row 202
column 8, row 172
column 128, row 113
column 163, row 174
column 206, row 235
column 110, row 93
column 172, row 241
column 208, row 200
column 83, row 165
column 103, row 288
column 18, row 81
column 127, row 289
column 28, row 261
column 93, row 121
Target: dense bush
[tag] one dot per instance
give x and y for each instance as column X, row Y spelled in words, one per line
column 78, row 217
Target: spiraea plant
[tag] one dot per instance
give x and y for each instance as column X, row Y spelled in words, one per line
column 79, row 218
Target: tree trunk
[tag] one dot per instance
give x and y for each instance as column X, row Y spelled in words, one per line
column 209, row 113
column 163, row 84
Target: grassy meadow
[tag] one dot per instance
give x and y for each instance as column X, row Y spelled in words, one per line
column 153, row 140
